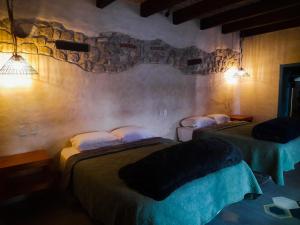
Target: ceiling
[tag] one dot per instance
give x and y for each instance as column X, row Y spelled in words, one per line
column 249, row 17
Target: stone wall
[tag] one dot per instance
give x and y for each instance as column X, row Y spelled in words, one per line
column 112, row 52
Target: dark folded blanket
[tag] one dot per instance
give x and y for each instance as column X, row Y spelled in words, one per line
column 162, row 172
column 281, row 130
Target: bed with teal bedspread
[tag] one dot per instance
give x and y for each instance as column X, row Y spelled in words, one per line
column 108, row 200
column 262, row 156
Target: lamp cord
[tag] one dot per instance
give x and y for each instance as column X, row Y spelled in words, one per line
column 241, row 53
column 10, row 10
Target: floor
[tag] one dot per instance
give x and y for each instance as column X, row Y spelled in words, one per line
column 249, row 212
column 62, row 209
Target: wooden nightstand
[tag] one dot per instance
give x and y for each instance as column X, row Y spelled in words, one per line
column 241, row 118
column 25, row 173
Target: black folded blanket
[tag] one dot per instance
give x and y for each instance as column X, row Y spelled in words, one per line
column 281, row 130
column 162, row 172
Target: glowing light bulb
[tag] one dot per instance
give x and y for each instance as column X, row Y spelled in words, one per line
column 16, row 72
column 15, row 81
column 230, row 75
column 233, row 74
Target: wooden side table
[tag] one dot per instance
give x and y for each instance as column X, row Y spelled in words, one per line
column 25, row 173
column 241, row 118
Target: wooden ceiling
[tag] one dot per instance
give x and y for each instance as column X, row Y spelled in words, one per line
column 250, row 17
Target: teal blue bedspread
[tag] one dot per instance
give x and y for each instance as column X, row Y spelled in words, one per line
column 262, row 156
column 108, row 200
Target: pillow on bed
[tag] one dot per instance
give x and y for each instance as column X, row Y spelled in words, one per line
column 219, row 118
column 132, row 133
column 198, row 122
column 94, row 140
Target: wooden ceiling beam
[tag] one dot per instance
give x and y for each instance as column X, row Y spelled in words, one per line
column 199, row 9
column 244, row 12
column 103, row 3
column 264, row 19
column 150, row 7
column 271, row 27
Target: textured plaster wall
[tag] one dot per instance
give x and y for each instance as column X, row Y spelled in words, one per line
column 66, row 100
column 263, row 55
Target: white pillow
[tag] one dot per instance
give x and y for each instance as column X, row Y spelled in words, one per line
column 94, row 140
column 220, row 118
column 132, row 133
column 198, row 122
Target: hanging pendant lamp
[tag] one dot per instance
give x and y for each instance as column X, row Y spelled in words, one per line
column 241, row 72
column 233, row 74
column 16, row 65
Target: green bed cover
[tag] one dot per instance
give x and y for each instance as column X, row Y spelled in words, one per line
column 109, row 201
column 262, row 156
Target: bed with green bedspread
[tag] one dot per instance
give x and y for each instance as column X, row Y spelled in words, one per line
column 107, row 199
column 262, row 156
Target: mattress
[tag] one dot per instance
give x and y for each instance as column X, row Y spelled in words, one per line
column 186, row 133
column 95, row 182
column 263, row 156
column 65, row 154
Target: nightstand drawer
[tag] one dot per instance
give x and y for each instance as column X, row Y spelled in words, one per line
column 241, row 118
column 25, row 184
column 25, row 173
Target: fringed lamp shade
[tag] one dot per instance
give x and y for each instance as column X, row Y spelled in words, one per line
column 17, row 65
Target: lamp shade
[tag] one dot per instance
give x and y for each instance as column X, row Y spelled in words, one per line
column 241, row 72
column 17, row 65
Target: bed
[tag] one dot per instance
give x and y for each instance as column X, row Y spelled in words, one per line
column 93, row 178
column 262, row 156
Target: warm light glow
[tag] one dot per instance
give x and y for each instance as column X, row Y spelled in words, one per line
column 16, row 73
column 15, row 81
column 242, row 73
column 232, row 80
column 233, row 74
column 231, row 71
column 230, row 75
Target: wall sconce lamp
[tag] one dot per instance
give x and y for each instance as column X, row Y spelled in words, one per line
column 16, row 65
